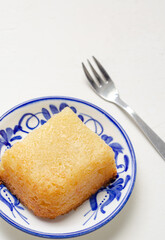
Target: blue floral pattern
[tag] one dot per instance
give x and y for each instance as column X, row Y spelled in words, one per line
column 11, row 202
column 114, row 190
column 30, row 121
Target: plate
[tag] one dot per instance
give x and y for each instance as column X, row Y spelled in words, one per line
column 102, row 206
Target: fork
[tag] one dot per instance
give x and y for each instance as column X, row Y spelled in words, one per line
column 105, row 88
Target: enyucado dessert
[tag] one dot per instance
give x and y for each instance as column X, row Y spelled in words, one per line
column 56, row 167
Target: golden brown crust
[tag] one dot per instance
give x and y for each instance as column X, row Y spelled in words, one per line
column 57, row 167
column 45, row 213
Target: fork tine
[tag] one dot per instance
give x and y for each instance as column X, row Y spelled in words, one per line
column 105, row 74
column 92, row 82
column 95, row 73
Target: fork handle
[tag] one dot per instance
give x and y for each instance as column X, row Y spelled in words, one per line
column 156, row 141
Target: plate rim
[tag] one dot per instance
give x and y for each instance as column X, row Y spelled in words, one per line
column 121, row 205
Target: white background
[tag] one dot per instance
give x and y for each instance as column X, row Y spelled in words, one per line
column 42, row 45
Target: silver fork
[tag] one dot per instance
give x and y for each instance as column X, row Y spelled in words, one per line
column 105, row 88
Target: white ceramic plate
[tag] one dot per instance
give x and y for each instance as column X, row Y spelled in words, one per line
column 101, row 207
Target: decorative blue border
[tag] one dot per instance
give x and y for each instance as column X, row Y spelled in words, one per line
column 121, row 205
column 25, row 125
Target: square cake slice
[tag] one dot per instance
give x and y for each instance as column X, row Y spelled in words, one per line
column 58, row 166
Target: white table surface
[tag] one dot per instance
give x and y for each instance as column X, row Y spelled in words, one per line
column 42, row 45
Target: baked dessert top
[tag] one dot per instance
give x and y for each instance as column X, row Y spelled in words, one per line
column 57, row 166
